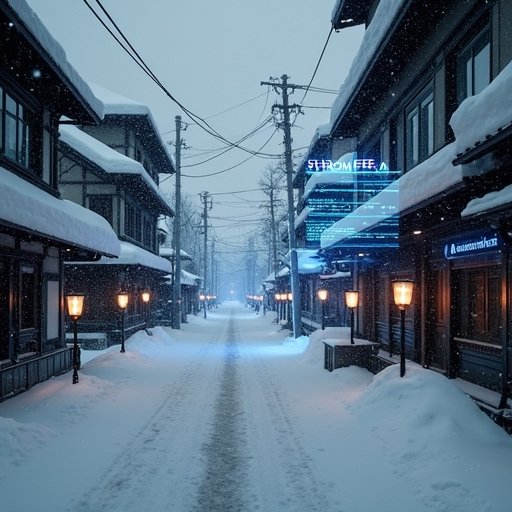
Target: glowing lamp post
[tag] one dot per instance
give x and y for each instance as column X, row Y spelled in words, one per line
column 322, row 294
column 122, row 302
column 402, row 295
column 146, row 297
column 75, row 306
column 351, row 301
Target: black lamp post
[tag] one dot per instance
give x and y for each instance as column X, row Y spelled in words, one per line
column 122, row 302
column 351, row 301
column 75, row 305
column 402, row 295
column 322, row 294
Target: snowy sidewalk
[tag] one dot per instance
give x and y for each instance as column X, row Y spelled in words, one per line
column 226, row 414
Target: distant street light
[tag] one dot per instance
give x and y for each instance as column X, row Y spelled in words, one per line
column 322, row 294
column 351, row 301
column 146, row 297
column 75, row 305
column 402, row 295
column 122, row 302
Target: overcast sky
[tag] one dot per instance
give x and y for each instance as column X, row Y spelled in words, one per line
column 212, row 56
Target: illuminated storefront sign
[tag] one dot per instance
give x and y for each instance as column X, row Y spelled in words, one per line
column 471, row 244
column 358, row 164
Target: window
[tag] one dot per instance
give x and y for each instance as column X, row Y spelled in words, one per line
column 479, row 305
column 148, row 234
column 420, row 129
column 474, row 66
column 19, row 141
column 28, row 297
column 129, row 220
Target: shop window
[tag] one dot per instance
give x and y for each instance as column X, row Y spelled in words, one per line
column 474, row 66
column 479, row 305
column 129, row 220
column 15, row 119
column 420, row 129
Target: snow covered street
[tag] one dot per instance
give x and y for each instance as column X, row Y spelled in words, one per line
column 228, row 415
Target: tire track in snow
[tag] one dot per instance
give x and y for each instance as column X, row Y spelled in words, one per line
column 155, row 456
column 225, row 480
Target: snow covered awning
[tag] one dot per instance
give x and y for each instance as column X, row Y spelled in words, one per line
column 437, row 174
column 490, row 201
column 134, row 255
column 493, row 109
column 168, row 252
column 189, row 279
column 28, row 208
column 111, row 161
column 53, row 53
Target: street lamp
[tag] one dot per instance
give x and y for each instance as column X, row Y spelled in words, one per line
column 146, row 297
column 75, row 306
column 351, row 301
column 122, row 302
column 322, row 294
column 402, row 295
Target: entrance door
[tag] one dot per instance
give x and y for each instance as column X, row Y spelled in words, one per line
column 438, row 338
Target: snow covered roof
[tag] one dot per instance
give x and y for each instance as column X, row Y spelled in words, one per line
column 189, row 279
column 134, row 255
column 116, row 104
column 493, row 109
column 56, row 54
column 488, row 202
column 303, row 215
column 168, row 252
column 436, row 174
column 27, row 207
column 309, row 261
column 108, row 159
column 375, row 33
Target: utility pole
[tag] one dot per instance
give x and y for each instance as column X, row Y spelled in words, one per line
column 176, row 299
column 206, row 200
column 284, row 86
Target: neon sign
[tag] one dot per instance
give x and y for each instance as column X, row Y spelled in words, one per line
column 358, row 164
column 474, row 244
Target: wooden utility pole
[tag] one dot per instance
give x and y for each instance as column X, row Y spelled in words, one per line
column 284, row 86
column 176, row 299
column 206, row 200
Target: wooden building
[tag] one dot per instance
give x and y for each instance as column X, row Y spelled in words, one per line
column 39, row 231
column 113, row 169
column 435, row 109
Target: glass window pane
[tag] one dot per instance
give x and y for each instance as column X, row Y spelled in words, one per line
column 482, row 69
column 10, row 137
column 10, row 104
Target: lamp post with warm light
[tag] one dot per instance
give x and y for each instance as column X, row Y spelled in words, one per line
column 402, row 295
column 75, row 305
column 351, row 301
column 146, row 297
column 122, row 302
column 322, row 294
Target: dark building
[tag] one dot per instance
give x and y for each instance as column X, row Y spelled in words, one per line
column 434, row 106
column 38, row 230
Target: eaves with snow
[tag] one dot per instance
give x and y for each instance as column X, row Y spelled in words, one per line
column 132, row 254
column 111, row 161
column 85, row 106
column 113, row 104
column 27, row 207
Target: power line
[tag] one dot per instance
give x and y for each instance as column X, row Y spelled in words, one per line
column 202, row 123
column 318, row 63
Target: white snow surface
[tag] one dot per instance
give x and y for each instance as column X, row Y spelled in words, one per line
column 488, row 201
column 30, row 207
column 108, row 159
column 380, row 25
column 230, row 414
column 132, row 254
column 55, row 52
column 482, row 114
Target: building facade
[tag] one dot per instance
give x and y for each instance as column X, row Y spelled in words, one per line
column 39, row 231
column 435, row 111
column 113, row 169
